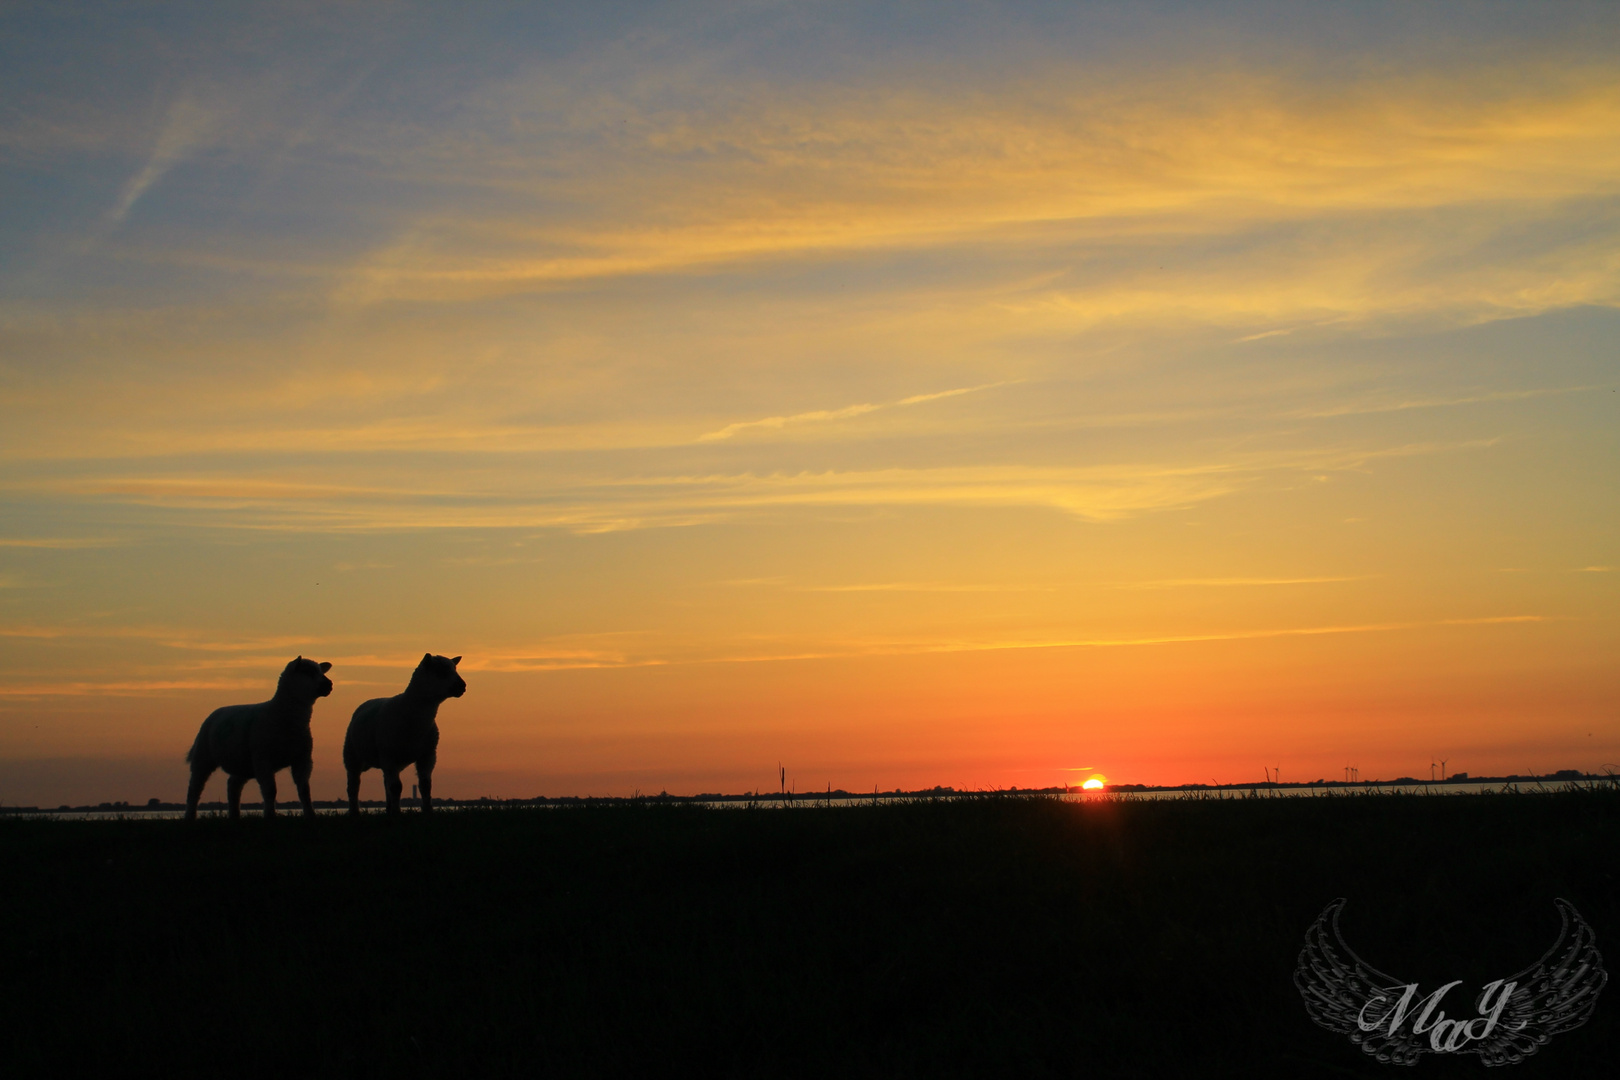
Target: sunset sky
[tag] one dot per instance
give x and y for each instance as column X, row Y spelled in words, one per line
column 973, row 394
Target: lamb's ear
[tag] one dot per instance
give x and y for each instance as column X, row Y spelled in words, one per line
column 326, row 665
column 300, row 657
column 454, row 660
column 427, row 657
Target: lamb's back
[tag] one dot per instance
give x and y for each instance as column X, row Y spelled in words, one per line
column 395, row 730
column 227, row 737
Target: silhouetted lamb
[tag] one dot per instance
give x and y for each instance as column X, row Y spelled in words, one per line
column 254, row 741
column 391, row 733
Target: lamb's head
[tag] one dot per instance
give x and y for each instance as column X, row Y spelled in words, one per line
column 436, row 677
column 305, row 679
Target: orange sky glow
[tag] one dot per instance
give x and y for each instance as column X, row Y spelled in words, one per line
column 997, row 398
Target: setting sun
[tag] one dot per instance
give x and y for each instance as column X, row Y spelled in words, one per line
column 1094, row 784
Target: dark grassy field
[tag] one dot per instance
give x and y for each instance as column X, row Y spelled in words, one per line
column 987, row 937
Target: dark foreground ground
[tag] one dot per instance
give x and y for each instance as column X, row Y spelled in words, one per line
column 989, row 937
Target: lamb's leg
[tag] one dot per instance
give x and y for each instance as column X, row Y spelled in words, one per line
column 392, row 786
column 267, row 790
column 300, row 775
column 354, row 791
column 233, row 794
column 199, row 778
column 424, row 780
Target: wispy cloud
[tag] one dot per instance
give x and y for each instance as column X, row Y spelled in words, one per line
column 122, row 688
column 58, row 543
column 776, row 423
column 188, row 124
column 652, row 652
column 848, row 649
column 1230, row 582
column 171, row 637
column 740, row 178
column 579, row 660
column 922, row 587
column 571, row 653
column 1174, row 638
column 1357, row 409
column 455, row 496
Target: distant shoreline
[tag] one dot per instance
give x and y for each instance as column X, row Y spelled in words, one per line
column 840, row 796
